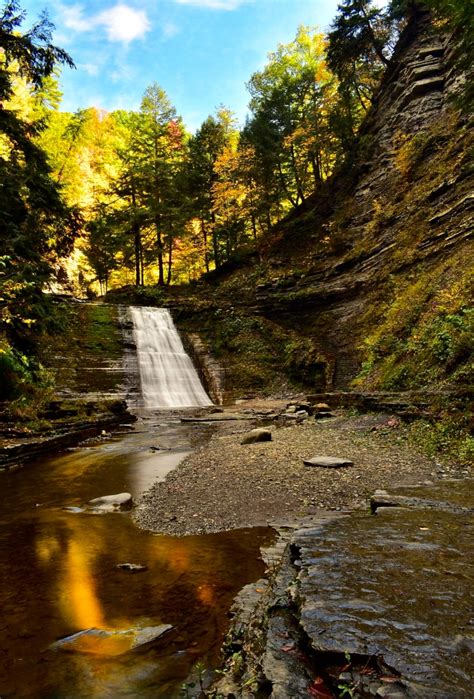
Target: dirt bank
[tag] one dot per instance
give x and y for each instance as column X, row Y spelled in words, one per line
column 226, row 485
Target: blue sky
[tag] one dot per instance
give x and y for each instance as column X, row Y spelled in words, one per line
column 201, row 52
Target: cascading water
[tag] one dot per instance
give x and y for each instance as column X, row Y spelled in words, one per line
column 168, row 377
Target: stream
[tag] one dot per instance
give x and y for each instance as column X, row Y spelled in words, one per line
column 59, row 572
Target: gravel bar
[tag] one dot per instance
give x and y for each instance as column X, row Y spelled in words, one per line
column 225, row 485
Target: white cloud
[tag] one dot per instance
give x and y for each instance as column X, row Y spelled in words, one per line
column 73, row 19
column 121, row 22
column 213, row 4
column 124, row 23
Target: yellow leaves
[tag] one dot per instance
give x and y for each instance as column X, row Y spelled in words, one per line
column 228, row 192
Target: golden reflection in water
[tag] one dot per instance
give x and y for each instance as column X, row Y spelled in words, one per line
column 73, row 545
column 80, row 604
column 206, row 594
column 47, row 548
column 177, row 558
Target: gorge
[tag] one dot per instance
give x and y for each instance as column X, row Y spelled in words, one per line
column 346, row 333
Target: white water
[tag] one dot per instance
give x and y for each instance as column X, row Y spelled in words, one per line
column 167, row 375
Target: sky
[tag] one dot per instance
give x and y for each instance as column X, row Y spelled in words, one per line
column 201, row 52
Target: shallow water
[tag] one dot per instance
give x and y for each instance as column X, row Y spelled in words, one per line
column 59, row 574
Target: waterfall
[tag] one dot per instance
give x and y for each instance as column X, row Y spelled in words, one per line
column 167, row 375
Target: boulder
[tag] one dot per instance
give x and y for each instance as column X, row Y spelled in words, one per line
column 110, row 642
column 328, row 462
column 258, row 435
column 109, row 503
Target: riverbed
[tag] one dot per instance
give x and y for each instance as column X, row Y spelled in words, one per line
column 60, row 574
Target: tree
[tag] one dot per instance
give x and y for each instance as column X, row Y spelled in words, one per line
column 205, row 147
column 37, row 228
column 291, row 101
column 357, row 51
column 144, row 193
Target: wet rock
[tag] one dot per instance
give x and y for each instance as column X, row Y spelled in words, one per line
column 328, row 462
column 110, row 642
column 257, row 435
column 73, row 510
column 132, row 567
column 110, row 503
column 289, row 416
column 382, row 499
column 391, row 693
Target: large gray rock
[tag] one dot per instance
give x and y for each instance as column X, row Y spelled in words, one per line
column 260, row 434
column 109, row 503
column 328, row 462
column 110, row 642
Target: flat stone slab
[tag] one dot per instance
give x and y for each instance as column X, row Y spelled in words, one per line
column 328, row 462
column 382, row 499
column 110, row 642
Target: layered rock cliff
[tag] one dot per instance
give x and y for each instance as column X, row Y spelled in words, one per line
column 372, row 272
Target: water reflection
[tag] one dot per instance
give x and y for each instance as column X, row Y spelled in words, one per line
column 59, row 575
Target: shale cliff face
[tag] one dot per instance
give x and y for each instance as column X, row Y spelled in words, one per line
column 373, row 270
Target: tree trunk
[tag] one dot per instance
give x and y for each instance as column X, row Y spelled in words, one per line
column 214, row 241
column 170, row 257
column 254, row 226
column 204, row 237
column 138, row 254
column 159, row 248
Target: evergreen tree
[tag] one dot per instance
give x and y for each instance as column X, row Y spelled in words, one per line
column 357, row 55
column 36, row 227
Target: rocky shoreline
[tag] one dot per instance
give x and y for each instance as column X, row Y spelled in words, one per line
column 365, row 594
column 65, row 428
column 360, row 605
column 228, row 485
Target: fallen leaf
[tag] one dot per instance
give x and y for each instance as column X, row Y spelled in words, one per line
column 319, row 690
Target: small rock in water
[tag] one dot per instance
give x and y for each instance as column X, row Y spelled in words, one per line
column 328, row 462
column 257, row 435
column 132, row 567
column 74, row 510
column 110, row 642
column 109, row 503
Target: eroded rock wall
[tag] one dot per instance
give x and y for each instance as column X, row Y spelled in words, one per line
column 404, row 211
